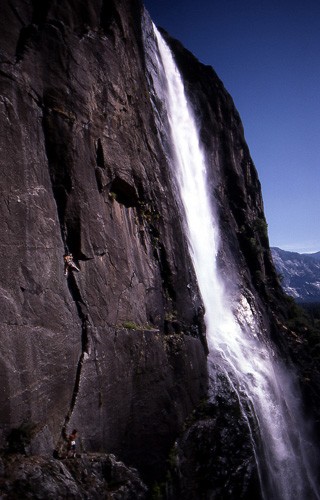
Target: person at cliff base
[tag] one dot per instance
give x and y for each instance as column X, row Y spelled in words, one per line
column 72, row 443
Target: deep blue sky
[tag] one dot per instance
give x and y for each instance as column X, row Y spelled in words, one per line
column 267, row 53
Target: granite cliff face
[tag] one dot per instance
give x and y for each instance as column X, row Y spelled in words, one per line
column 117, row 349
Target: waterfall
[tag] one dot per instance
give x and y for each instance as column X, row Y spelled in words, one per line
column 234, row 340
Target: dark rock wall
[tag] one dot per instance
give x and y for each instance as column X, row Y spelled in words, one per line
column 116, row 349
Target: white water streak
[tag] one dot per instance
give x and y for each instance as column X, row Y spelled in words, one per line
column 232, row 337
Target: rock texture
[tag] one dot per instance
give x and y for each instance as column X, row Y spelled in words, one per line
column 93, row 476
column 117, row 349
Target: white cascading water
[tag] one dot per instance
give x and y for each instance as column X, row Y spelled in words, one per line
column 258, row 378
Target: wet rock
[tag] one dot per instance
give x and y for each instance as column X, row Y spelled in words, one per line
column 214, row 457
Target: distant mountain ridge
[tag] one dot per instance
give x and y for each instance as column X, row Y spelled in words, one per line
column 300, row 274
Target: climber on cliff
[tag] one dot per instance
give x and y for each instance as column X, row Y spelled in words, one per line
column 72, row 443
column 69, row 264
